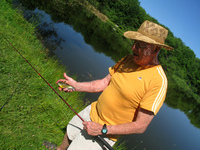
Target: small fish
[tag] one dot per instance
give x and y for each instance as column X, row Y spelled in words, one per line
column 65, row 85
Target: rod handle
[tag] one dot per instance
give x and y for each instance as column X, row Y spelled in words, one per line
column 104, row 142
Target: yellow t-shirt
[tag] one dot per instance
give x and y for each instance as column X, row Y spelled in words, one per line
column 130, row 87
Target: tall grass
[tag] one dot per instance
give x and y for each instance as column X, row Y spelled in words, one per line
column 34, row 112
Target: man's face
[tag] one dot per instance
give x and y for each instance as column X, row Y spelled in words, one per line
column 144, row 53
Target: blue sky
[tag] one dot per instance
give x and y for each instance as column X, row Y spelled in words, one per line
column 182, row 17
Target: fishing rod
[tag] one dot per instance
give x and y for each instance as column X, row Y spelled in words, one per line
column 97, row 137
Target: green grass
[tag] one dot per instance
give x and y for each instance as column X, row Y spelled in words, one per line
column 33, row 113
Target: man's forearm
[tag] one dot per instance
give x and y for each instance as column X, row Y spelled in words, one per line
column 93, row 86
column 127, row 128
column 144, row 118
column 94, row 128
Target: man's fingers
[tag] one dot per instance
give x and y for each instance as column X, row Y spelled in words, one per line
column 65, row 75
column 61, row 80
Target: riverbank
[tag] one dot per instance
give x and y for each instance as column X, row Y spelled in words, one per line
column 34, row 112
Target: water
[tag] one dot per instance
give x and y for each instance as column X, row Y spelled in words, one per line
column 80, row 58
column 170, row 129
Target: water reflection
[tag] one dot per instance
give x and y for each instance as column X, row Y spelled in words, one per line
column 88, row 47
column 178, row 99
column 46, row 30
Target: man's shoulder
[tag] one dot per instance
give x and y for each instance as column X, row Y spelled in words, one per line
column 159, row 74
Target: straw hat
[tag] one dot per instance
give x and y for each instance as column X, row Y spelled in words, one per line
column 150, row 32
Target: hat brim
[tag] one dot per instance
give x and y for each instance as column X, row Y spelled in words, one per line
column 140, row 37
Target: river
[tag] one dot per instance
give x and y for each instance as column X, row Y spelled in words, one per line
column 76, row 46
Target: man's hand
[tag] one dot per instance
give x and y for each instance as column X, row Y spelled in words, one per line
column 92, row 128
column 91, row 87
column 68, row 80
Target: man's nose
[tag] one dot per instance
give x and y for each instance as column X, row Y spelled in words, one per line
column 133, row 47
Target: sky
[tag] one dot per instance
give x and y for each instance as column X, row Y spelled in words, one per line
column 182, row 17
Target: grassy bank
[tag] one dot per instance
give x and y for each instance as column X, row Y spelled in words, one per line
column 34, row 112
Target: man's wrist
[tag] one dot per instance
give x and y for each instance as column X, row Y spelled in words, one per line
column 104, row 130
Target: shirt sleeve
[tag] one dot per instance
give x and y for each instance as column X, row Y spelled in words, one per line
column 155, row 96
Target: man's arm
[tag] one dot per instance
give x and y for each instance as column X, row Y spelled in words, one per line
column 137, row 127
column 92, row 86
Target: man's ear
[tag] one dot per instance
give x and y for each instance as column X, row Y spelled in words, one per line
column 157, row 49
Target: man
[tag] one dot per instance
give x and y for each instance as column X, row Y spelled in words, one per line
column 132, row 93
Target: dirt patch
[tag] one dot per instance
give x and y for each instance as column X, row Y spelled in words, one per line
column 93, row 10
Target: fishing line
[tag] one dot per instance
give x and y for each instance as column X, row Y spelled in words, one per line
column 9, row 98
column 98, row 136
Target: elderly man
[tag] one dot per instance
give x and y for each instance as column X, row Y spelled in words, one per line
column 132, row 93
